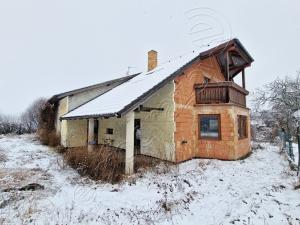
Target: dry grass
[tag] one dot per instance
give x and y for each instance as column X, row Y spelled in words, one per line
column 15, row 178
column 101, row 164
column 142, row 162
column 104, row 163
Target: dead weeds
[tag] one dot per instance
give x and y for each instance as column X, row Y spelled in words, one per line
column 106, row 163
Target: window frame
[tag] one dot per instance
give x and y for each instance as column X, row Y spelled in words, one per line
column 218, row 116
column 242, row 119
column 206, row 80
column 110, row 129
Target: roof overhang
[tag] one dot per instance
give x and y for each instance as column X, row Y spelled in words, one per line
column 239, row 58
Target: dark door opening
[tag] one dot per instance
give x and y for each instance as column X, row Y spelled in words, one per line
column 96, row 131
column 137, row 136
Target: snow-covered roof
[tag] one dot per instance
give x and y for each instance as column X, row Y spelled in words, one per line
column 59, row 96
column 113, row 101
column 123, row 98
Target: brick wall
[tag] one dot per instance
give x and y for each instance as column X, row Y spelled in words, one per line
column 187, row 142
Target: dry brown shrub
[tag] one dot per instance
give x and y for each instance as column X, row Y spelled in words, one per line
column 145, row 162
column 103, row 163
column 46, row 128
column 43, row 136
column 49, row 138
column 53, row 139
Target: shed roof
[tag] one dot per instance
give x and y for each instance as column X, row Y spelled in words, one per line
column 137, row 90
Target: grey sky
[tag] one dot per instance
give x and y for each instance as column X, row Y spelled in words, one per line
column 47, row 47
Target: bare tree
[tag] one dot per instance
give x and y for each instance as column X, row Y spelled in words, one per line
column 280, row 99
column 31, row 117
column 10, row 124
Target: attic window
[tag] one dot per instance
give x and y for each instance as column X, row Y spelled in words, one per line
column 109, row 131
column 206, row 80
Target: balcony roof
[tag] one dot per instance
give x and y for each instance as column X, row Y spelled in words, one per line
column 238, row 57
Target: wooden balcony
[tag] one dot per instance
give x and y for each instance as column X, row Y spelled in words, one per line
column 222, row 92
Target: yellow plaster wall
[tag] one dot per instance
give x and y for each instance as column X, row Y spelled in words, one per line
column 77, row 133
column 62, row 126
column 118, row 138
column 69, row 103
column 157, row 127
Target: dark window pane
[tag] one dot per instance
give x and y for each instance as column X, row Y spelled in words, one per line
column 109, row 131
column 242, row 126
column 209, row 126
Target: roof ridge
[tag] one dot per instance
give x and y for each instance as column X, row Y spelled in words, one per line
column 89, row 87
column 140, row 88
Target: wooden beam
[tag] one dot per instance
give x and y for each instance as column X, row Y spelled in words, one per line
column 227, row 66
column 243, row 78
column 142, row 108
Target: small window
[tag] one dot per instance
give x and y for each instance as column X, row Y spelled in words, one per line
column 242, row 126
column 206, row 80
column 209, row 127
column 109, row 131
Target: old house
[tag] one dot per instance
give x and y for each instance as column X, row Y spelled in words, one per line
column 185, row 108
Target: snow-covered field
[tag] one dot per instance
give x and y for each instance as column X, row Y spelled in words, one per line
column 257, row 190
column 296, row 153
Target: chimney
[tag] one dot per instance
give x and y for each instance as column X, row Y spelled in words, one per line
column 152, row 60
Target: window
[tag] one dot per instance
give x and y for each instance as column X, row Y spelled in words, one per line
column 242, row 126
column 209, row 127
column 109, row 131
column 206, row 80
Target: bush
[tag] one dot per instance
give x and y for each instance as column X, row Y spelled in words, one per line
column 43, row 136
column 46, row 126
column 11, row 125
column 103, row 163
column 53, row 139
column 48, row 138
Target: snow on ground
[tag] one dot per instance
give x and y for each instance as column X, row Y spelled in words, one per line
column 296, row 153
column 256, row 190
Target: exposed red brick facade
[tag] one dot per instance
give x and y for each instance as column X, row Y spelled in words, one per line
column 187, row 142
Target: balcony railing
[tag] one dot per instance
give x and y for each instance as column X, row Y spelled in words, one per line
column 222, row 92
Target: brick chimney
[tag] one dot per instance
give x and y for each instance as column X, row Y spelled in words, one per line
column 152, row 60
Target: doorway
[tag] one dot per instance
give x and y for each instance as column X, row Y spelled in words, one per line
column 137, row 136
column 96, row 131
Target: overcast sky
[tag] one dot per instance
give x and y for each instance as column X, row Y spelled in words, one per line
column 47, row 47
